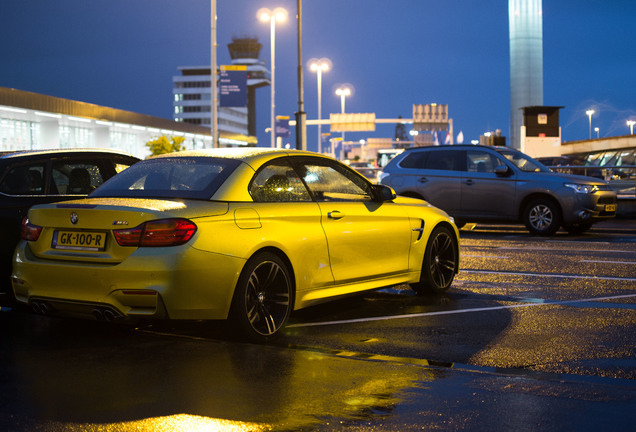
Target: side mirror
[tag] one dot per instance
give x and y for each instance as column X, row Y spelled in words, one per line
column 384, row 193
column 502, row 170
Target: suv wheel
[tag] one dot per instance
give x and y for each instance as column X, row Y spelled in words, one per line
column 542, row 217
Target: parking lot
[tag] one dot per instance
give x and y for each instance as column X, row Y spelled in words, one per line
column 535, row 334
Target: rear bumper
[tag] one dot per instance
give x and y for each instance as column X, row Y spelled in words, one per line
column 152, row 283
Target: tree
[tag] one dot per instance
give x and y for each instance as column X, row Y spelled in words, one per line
column 163, row 145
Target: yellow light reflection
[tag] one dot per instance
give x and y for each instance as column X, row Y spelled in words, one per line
column 174, row 423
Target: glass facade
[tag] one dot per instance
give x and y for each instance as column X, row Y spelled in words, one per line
column 19, row 134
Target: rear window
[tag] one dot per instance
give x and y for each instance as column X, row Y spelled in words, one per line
column 415, row 160
column 170, row 177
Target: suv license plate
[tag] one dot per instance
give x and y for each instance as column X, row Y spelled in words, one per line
column 610, row 207
column 79, row 240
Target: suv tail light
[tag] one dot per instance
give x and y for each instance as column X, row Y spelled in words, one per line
column 28, row 231
column 162, row 232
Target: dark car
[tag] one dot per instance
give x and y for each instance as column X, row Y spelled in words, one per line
column 499, row 184
column 43, row 176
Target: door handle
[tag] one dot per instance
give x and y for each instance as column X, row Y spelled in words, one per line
column 469, row 182
column 335, row 215
column 423, row 180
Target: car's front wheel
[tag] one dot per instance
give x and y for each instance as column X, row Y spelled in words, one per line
column 440, row 262
column 542, row 217
column 263, row 299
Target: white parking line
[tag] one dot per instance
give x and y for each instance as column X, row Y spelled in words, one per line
column 484, row 256
column 545, row 249
column 452, row 312
column 550, row 275
column 608, row 262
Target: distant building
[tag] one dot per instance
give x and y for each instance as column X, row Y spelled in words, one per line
column 192, row 93
column 526, row 61
column 32, row 121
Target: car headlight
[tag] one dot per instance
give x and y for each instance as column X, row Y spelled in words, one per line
column 582, row 188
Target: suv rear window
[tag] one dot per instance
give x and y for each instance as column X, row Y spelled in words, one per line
column 438, row 159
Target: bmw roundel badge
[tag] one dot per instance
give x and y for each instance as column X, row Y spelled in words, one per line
column 74, row 218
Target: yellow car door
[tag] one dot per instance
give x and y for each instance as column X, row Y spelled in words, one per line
column 367, row 239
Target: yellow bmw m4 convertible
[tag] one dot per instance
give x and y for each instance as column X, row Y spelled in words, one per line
column 247, row 235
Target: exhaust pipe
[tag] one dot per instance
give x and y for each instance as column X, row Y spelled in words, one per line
column 40, row 308
column 109, row 315
column 98, row 314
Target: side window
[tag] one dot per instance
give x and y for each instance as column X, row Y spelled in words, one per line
column 480, row 161
column 415, row 160
column 76, row 178
column 447, row 160
column 330, row 183
column 24, row 180
column 278, row 182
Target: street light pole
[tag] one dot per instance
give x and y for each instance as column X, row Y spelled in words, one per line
column 301, row 115
column 589, row 115
column 319, row 66
column 278, row 14
column 214, row 130
column 343, row 92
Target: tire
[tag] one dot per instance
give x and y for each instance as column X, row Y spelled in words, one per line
column 440, row 262
column 263, row 298
column 542, row 217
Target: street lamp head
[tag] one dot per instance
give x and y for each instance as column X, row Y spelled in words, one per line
column 343, row 89
column 589, row 112
column 264, row 14
column 278, row 14
column 322, row 65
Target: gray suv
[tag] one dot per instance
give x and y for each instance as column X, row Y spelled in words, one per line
column 499, row 184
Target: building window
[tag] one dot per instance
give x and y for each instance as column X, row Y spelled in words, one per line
column 19, row 135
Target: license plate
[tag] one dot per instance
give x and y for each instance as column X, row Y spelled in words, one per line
column 610, row 207
column 79, row 240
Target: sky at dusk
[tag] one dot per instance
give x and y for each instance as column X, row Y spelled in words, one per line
column 124, row 53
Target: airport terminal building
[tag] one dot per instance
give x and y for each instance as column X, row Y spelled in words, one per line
column 32, row 121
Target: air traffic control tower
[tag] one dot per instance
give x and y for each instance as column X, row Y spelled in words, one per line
column 526, row 61
column 245, row 51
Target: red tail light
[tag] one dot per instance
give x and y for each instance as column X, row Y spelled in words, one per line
column 29, row 232
column 162, row 232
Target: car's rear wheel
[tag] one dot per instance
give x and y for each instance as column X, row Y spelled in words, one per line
column 263, row 299
column 440, row 262
column 542, row 217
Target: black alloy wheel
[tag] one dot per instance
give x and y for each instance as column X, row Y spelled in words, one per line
column 440, row 262
column 263, row 298
column 542, row 217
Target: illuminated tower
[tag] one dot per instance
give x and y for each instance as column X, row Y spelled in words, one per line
column 526, row 61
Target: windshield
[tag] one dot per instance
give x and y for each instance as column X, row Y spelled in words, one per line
column 170, row 177
column 523, row 161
